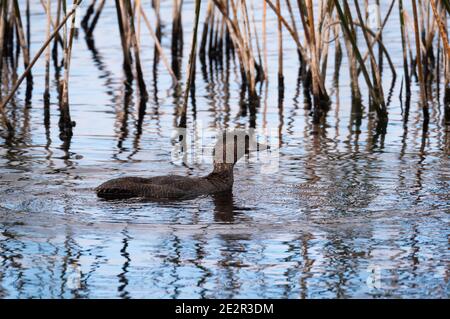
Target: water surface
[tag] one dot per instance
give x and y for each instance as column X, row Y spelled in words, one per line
column 350, row 213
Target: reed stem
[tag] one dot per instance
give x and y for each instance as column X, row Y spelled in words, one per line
column 191, row 63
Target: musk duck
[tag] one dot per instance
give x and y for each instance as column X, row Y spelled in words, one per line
column 230, row 147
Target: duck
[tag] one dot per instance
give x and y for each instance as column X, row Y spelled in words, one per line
column 230, row 147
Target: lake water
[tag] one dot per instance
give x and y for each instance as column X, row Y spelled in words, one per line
column 346, row 214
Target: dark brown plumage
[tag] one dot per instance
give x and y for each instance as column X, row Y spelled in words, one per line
column 182, row 187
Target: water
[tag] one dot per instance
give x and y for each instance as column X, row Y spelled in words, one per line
column 348, row 214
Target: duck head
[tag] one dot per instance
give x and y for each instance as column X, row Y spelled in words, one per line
column 232, row 145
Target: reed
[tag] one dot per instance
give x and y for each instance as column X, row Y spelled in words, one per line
column 121, row 22
column 33, row 61
column 157, row 7
column 206, row 26
column 378, row 87
column 317, row 52
column 348, row 27
column 231, row 29
column 264, row 30
column 280, row 52
column 404, row 48
column 65, row 122
column 48, row 10
column 134, row 43
column 191, row 65
column 3, row 13
column 239, row 34
column 22, row 40
column 177, row 37
column 418, row 39
column 159, row 50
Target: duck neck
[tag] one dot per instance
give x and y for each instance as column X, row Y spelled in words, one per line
column 222, row 175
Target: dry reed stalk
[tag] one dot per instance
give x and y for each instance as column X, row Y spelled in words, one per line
column 177, row 28
column 27, row 14
column 220, row 36
column 138, row 12
column 419, row 52
column 446, row 62
column 264, row 30
column 280, row 53
column 2, row 38
column 47, row 54
column 22, row 40
column 348, row 28
column 3, row 8
column 442, row 28
column 240, row 43
column 378, row 38
column 291, row 15
column 204, row 40
column 156, row 6
column 53, row 25
column 377, row 74
column 191, row 64
column 57, row 37
column 291, row 31
column 242, row 46
column 137, row 58
column 34, row 60
column 123, row 38
column 247, row 38
column 261, row 74
column 380, row 27
column 313, row 41
column 65, row 122
column 234, row 40
column 404, row 48
column 159, row 48
column 446, row 58
column 410, row 50
column 210, row 36
column 229, row 46
column 432, row 29
column 323, row 37
column 215, row 32
column 177, row 38
column 353, row 68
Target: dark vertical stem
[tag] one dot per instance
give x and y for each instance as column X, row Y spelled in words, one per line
column 125, row 49
column 405, row 53
column 157, row 7
column 47, row 56
column 55, row 45
column 191, row 65
column 177, row 37
column 280, row 55
column 423, row 91
column 95, row 19
column 87, row 16
column 28, row 24
column 139, row 73
column 2, row 40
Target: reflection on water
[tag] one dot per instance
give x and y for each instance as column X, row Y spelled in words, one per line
column 350, row 213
